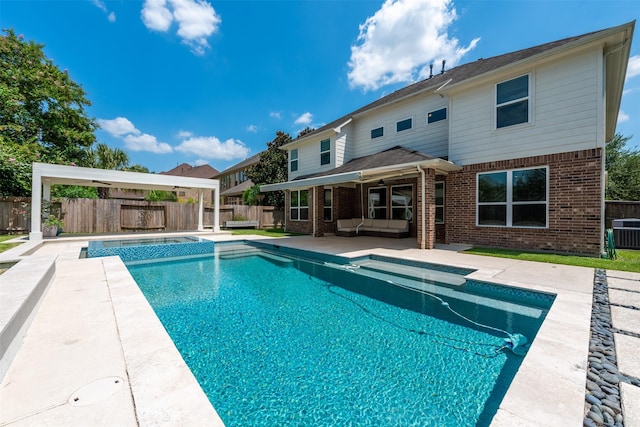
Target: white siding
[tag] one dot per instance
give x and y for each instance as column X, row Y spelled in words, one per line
column 309, row 156
column 564, row 115
column 431, row 139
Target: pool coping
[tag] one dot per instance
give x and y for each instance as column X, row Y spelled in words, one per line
column 161, row 383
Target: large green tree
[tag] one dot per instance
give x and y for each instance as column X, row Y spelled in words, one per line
column 272, row 168
column 42, row 114
column 623, row 170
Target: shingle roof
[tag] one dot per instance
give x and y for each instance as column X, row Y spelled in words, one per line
column 453, row 76
column 185, row 169
column 393, row 156
column 237, row 189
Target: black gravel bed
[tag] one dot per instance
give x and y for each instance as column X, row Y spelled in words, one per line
column 602, row 397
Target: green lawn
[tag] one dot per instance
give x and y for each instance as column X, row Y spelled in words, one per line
column 626, row 261
column 268, row 232
column 7, row 246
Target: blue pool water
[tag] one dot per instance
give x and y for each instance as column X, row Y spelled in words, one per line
column 277, row 341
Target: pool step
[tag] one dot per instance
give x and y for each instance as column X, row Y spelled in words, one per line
column 444, row 292
column 244, row 251
column 407, row 271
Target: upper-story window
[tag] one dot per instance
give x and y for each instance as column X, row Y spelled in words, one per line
column 404, row 124
column 377, row 132
column 293, row 160
column 436, row 116
column 325, row 151
column 512, row 102
column 513, row 198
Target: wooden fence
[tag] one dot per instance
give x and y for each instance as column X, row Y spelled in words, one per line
column 619, row 209
column 118, row 215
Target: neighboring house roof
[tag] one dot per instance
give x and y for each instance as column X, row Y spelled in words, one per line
column 242, row 165
column 394, row 162
column 469, row 71
column 185, row 169
column 238, row 189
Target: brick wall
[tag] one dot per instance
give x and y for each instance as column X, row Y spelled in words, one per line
column 574, row 206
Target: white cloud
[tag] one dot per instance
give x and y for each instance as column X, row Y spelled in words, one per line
column 201, row 162
column 196, row 19
column 184, row 134
column 275, row 115
column 633, row 69
column 134, row 140
column 111, row 16
column 210, row 147
column 252, row 128
column 146, row 142
column 622, row 117
column 304, row 119
column 118, row 126
column 400, row 40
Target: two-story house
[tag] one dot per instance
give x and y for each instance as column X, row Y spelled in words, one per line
column 186, row 170
column 505, row 151
column 234, row 181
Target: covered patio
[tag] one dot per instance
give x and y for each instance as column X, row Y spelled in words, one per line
column 46, row 175
column 395, row 166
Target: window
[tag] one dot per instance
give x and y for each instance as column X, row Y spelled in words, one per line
column 516, row 198
column 404, row 124
column 377, row 132
column 325, row 151
column 436, row 116
column 439, row 202
column 328, row 204
column 293, row 160
column 402, row 202
column 299, row 205
column 378, row 203
column 512, row 102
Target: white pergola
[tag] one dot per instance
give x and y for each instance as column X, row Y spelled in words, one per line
column 45, row 175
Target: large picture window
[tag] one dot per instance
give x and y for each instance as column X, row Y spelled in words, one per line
column 299, row 205
column 439, row 202
column 378, row 202
column 328, row 204
column 402, row 202
column 515, row 198
column 512, row 102
column 293, row 160
column 325, row 151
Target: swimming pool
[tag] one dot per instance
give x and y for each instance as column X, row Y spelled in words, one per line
column 276, row 340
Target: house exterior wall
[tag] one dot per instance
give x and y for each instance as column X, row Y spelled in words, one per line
column 575, row 214
column 565, row 114
column 430, row 138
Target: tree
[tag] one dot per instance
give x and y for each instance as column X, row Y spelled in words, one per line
column 41, row 105
column 272, row 168
column 251, row 196
column 623, row 170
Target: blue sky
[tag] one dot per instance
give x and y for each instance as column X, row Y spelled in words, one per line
column 197, row 81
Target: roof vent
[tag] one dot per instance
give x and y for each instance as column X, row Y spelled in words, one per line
column 444, row 61
column 430, row 70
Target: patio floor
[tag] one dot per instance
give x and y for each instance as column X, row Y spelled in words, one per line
column 96, row 354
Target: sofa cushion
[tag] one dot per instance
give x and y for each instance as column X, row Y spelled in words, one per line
column 398, row 224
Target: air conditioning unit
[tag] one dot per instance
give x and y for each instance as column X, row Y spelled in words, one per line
column 626, row 233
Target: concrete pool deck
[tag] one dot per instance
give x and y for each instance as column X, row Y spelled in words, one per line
column 96, row 354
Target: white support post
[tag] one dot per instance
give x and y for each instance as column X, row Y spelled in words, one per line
column 36, row 204
column 200, row 210
column 215, row 199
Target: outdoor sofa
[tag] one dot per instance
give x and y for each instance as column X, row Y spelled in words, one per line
column 396, row 228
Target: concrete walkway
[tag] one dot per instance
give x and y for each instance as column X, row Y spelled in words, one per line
column 96, row 354
column 624, row 300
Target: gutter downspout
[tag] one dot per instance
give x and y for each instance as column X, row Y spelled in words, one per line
column 361, row 210
column 315, row 191
column 423, row 237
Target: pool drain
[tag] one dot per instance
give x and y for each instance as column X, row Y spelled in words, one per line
column 96, row 391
